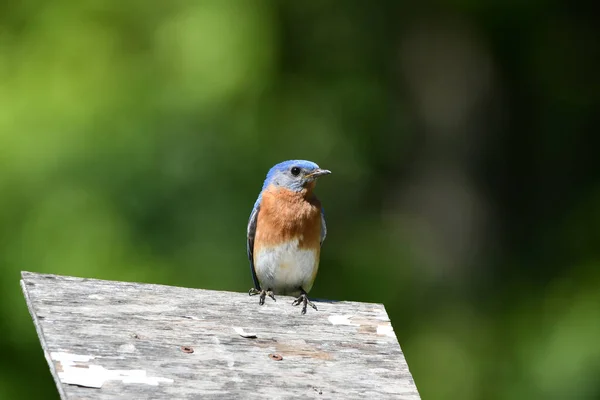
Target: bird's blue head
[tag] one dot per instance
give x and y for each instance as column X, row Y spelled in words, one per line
column 294, row 175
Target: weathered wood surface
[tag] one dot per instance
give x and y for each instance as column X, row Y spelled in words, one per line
column 107, row 340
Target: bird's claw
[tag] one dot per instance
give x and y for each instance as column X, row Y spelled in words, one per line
column 263, row 294
column 303, row 299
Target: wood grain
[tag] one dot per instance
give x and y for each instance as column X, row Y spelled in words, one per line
column 109, row 340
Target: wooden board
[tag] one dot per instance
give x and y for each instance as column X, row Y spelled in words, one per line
column 107, row 340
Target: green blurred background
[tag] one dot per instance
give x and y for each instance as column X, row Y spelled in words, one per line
column 134, row 138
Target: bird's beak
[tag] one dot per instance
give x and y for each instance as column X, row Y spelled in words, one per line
column 318, row 172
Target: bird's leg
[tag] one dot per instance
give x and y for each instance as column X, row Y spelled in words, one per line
column 303, row 299
column 263, row 294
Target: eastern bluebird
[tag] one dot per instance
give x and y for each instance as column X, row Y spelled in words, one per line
column 285, row 232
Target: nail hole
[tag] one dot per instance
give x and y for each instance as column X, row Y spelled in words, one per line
column 187, row 349
column 275, row 357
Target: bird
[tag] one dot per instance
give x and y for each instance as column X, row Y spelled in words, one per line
column 286, row 230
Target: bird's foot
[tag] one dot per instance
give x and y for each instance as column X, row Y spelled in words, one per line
column 303, row 299
column 263, row 294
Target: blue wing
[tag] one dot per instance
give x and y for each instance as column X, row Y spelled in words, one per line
column 250, row 233
column 323, row 226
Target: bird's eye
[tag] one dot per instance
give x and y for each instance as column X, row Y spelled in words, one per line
column 295, row 171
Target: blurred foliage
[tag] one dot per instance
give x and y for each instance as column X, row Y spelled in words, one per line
column 134, row 138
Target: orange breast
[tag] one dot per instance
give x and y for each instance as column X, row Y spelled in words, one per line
column 286, row 215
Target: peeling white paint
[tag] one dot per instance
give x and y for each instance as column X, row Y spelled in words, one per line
column 69, row 357
column 126, row 348
column 95, row 297
column 73, row 371
column 341, row 320
column 244, row 334
column 386, row 330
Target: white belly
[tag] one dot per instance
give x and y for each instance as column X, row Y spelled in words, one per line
column 286, row 268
